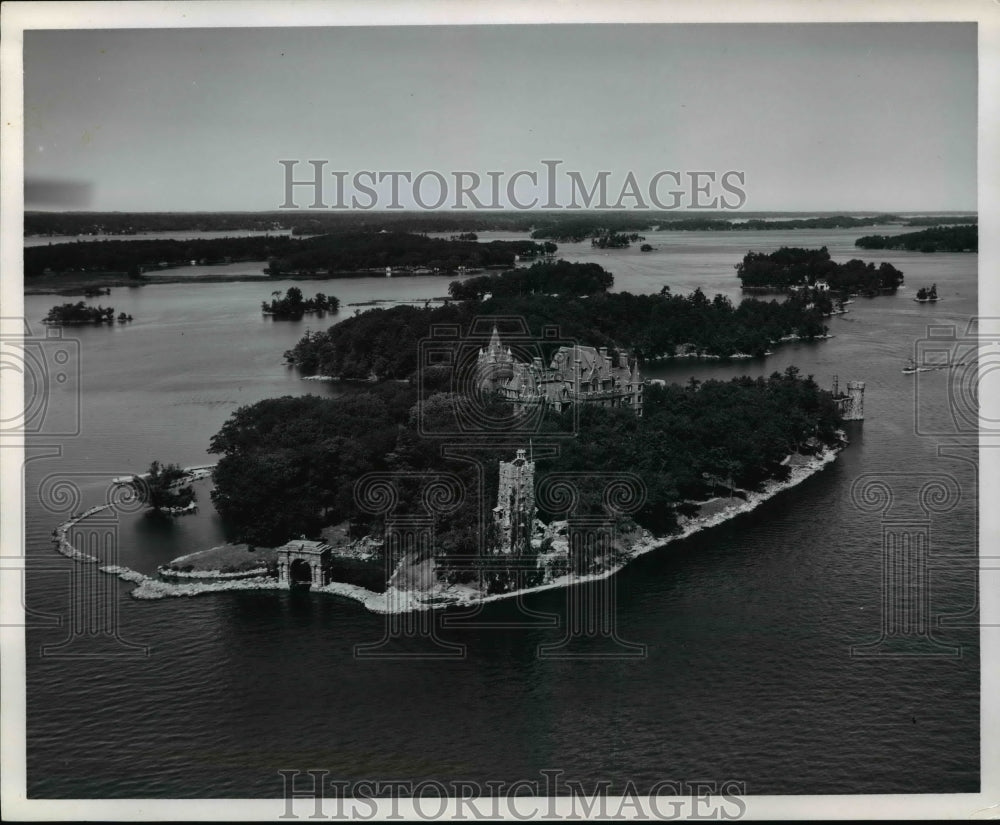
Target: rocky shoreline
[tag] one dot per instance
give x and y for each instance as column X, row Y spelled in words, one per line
column 403, row 600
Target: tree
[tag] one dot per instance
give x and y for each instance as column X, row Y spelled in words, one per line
column 164, row 487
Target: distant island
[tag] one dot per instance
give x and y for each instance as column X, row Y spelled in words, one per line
column 597, row 225
column 383, row 343
column 132, row 258
column 357, row 252
column 791, row 268
column 79, row 313
column 616, row 240
column 324, row 256
column 936, row 239
column 311, row 222
column 293, row 306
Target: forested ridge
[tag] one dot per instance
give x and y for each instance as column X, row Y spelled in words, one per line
column 935, row 239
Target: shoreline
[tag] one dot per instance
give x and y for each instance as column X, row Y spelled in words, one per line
column 80, row 282
column 395, row 601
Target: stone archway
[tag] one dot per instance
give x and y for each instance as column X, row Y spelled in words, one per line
column 300, row 572
column 303, row 562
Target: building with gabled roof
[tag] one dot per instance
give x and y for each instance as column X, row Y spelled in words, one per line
column 576, row 375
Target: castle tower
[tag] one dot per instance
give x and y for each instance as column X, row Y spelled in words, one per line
column 637, row 390
column 855, row 401
column 515, row 512
column 494, row 365
column 851, row 404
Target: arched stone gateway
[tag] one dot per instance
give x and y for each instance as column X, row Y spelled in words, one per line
column 304, row 562
column 300, row 572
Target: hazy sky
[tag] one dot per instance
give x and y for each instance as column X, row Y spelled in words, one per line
column 819, row 117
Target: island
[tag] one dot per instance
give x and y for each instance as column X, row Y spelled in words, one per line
column 100, row 264
column 791, row 269
column 964, row 238
column 559, row 377
column 383, row 343
column 615, row 240
column 80, row 313
column 363, row 252
column 554, row 224
column 293, row 306
column 702, row 453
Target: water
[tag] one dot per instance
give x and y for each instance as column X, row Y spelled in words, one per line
column 748, row 627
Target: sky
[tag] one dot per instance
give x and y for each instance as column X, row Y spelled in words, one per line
column 817, row 117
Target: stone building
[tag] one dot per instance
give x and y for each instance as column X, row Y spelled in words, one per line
column 302, row 562
column 852, row 403
column 575, row 375
column 515, row 512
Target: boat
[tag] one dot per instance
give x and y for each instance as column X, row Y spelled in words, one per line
column 927, row 296
column 911, row 367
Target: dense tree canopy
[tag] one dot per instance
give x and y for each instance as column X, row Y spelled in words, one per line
column 793, row 267
column 132, row 257
column 293, row 305
column 80, row 313
column 345, row 252
column 383, row 343
column 164, row 487
column 288, row 465
column 935, row 239
column 760, row 224
column 555, row 277
column 356, row 251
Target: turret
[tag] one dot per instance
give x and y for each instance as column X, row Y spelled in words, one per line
column 856, row 401
column 637, row 390
column 515, row 511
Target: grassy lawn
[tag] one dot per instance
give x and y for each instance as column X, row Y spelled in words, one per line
column 226, row 558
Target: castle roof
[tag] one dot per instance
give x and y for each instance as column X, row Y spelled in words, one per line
column 494, row 345
column 592, row 363
column 522, row 380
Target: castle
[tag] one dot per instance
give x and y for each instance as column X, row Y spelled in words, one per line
column 514, row 514
column 576, row 374
column 851, row 404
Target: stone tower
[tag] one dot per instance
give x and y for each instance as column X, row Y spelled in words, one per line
column 852, row 403
column 635, row 385
column 855, row 401
column 495, row 364
column 514, row 514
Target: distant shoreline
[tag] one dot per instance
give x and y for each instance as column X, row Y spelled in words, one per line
column 80, row 282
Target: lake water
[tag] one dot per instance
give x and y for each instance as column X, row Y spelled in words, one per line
column 748, row 673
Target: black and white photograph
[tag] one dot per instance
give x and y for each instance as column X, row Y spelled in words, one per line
column 442, row 412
